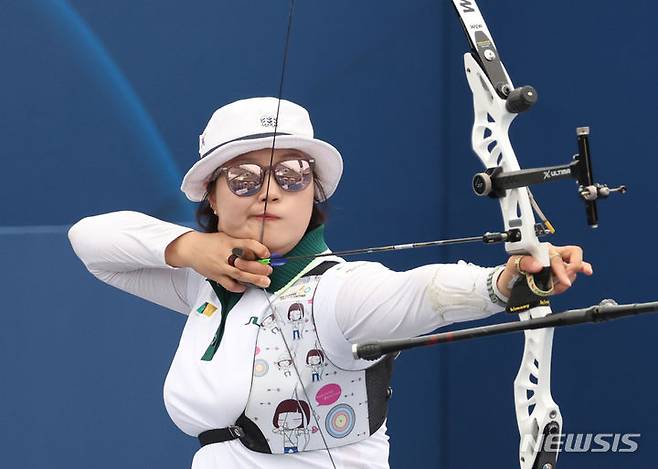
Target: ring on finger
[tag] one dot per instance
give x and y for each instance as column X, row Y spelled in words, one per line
column 555, row 254
column 517, row 266
column 231, row 260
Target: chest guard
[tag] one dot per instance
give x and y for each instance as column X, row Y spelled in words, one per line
column 281, row 417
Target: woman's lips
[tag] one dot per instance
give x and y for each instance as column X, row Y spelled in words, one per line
column 267, row 216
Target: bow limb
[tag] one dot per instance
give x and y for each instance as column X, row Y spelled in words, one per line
column 538, row 416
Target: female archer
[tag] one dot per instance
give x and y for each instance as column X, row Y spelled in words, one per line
column 260, row 180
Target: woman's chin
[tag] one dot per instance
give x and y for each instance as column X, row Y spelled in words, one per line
column 279, row 245
column 277, row 236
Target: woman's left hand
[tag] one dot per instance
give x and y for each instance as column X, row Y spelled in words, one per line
column 566, row 263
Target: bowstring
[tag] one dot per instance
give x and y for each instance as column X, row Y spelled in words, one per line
column 299, row 380
column 262, row 235
column 276, row 118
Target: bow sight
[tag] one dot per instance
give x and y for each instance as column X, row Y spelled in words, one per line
column 494, row 181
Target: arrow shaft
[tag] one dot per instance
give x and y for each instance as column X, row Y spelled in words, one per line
column 488, row 238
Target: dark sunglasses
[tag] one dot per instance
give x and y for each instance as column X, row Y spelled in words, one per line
column 246, row 179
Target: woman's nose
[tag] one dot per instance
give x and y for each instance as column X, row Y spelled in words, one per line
column 274, row 191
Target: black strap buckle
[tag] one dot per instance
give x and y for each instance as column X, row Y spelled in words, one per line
column 219, row 435
column 236, row 431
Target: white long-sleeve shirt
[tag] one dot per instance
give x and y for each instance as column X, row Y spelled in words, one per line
column 356, row 302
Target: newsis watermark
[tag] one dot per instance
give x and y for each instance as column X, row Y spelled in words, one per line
column 584, row 443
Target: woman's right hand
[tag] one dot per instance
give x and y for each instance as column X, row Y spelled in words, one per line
column 208, row 254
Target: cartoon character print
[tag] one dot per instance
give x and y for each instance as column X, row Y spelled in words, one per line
column 291, row 419
column 286, row 419
column 284, row 363
column 269, row 324
column 296, row 318
column 315, row 361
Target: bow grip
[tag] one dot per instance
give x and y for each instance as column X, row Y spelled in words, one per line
column 530, row 291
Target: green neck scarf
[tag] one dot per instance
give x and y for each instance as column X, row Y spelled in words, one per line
column 312, row 243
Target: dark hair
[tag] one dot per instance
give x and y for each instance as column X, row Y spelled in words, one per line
column 293, row 405
column 314, row 352
column 207, row 220
column 295, row 307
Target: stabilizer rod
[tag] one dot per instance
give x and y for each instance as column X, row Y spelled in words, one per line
column 604, row 311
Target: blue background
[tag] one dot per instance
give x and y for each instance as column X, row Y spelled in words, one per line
column 102, row 105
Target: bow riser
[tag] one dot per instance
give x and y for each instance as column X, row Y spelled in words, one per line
column 536, row 412
column 490, row 141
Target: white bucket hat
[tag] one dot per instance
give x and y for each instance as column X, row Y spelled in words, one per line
column 248, row 125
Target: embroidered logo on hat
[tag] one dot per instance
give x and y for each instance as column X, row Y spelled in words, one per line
column 207, row 309
column 268, row 121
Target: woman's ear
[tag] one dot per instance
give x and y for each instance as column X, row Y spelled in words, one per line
column 211, row 201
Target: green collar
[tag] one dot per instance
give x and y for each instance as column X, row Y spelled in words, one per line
column 312, row 243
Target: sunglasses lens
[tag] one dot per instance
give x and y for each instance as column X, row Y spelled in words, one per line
column 245, row 179
column 293, row 175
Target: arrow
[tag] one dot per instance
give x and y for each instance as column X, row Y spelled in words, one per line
column 487, row 238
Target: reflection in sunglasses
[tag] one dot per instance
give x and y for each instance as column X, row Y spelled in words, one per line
column 247, row 179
